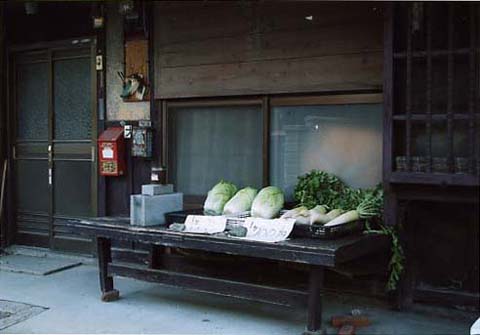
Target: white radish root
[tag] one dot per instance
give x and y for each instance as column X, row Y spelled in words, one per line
column 344, row 218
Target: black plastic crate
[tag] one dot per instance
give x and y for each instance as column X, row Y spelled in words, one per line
column 299, row 230
column 181, row 216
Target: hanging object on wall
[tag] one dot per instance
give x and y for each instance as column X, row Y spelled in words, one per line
column 142, row 140
column 126, row 7
column 135, row 80
column 98, row 22
column 134, row 87
column 31, row 8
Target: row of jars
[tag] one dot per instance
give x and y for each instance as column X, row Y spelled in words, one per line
column 461, row 165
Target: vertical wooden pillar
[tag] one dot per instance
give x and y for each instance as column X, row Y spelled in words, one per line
column 409, row 89
column 407, row 283
column 101, row 109
column 155, row 256
column 3, row 225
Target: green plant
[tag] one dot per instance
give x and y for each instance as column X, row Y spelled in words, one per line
column 318, row 188
column 322, row 188
column 397, row 259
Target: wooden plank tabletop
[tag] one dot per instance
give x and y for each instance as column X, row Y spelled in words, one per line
column 301, row 250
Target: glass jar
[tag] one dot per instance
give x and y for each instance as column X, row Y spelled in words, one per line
column 462, row 165
column 401, row 164
column 419, row 164
column 440, row 164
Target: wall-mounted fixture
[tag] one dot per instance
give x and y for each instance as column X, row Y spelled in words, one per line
column 31, row 8
column 126, row 7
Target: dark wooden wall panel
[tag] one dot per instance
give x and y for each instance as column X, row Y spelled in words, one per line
column 119, row 189
column 233, row 48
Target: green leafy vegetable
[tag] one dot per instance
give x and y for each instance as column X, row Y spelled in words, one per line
column 218, row 196
column 318, row 188
column 268, row 203
column 322, row 188
column 241, row 201
column 397, row 259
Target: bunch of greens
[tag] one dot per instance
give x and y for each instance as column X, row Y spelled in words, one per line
column 318, row 188
column 321, row 188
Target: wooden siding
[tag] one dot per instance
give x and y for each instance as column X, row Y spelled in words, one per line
column 237, row 48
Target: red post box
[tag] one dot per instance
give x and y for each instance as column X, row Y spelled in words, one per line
column 111, row 152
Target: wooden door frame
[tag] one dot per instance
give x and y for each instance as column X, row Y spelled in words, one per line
column 48, row 47
column 3, row 119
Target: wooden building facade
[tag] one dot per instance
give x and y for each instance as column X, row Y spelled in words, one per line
column 233, row 88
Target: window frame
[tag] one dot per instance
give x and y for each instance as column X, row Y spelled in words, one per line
column 266, row 102
column 167, row 132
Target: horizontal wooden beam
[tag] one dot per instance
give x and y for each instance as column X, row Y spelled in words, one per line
column 445, row 179
column 274, row 295
column 447, row 297
column 341, row 99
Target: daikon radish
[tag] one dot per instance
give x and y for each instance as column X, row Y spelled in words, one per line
column 318, row 215
column 368, row 208
column 300, row 214
column 334, row 213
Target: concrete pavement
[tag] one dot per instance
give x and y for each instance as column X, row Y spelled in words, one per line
column 73, row 299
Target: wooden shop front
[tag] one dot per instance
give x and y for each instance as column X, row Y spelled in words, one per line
column 257, row 93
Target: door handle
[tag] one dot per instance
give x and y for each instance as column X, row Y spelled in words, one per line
column 50, row 176
column 93, row 154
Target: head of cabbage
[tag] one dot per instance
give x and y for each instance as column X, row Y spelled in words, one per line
column 241, row 201
column 268, row 203
column 218, row 196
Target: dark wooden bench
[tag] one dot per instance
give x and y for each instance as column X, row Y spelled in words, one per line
column 317, row 254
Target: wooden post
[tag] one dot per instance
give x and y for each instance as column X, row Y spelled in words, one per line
column 315, row 293
column 407, row 283
column 3, row 118
column 104, row 251
column 155, row 254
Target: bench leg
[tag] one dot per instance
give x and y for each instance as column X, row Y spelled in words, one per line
column 315, row 293
column 104, row 251
column 155, row 255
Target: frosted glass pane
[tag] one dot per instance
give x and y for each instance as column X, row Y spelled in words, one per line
column 72, row 188
column 32, row 186
column 209, row 144
column 343, row 139
column 72, row 87
column 32, row 101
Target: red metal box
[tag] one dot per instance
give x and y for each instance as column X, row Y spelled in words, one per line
column 111, row 152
